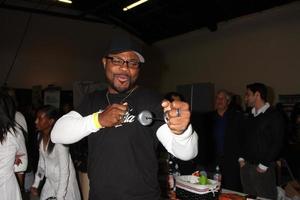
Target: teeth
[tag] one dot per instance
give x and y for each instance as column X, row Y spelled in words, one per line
column 122, row 78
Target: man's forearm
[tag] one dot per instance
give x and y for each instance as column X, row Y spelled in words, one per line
column 72, row 127
column 184, row 146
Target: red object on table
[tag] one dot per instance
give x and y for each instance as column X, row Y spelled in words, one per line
column 231, row 196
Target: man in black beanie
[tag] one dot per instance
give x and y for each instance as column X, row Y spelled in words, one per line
column 122, row 160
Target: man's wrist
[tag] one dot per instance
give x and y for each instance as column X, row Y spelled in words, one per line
column 96, row 120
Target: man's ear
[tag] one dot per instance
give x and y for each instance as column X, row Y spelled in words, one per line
column 104, row 62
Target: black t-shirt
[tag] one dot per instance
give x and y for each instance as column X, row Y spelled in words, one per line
column 122, row 160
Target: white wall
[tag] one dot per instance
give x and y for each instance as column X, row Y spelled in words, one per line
column 260, row 47
column 55, row 50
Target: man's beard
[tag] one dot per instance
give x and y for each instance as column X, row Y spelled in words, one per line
column 121, row 89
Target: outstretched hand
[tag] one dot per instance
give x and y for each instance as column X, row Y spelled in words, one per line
column 177, row 115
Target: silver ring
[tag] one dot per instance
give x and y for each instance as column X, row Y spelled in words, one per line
column 178, row 112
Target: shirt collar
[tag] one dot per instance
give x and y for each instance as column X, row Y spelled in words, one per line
column 261, row 110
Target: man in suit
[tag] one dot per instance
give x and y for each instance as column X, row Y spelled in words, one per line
column 223, row 135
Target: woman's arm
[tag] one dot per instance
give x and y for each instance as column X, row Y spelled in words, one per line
column 62, row 154
column 39, row 175
column 21, row 155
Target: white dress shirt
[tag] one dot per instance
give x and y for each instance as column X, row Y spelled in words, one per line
column 60, row 175
column 12, row 145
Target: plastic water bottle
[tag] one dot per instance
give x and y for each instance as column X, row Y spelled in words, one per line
column 203, row 173
column 172, row 173
column 217, row 176
column 171, row 178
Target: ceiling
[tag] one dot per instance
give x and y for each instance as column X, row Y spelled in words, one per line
column 152, row 21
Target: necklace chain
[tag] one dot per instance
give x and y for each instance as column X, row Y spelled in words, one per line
column 122, row 101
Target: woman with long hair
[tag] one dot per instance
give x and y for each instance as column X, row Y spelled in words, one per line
column 12, row 148
column 55, row 163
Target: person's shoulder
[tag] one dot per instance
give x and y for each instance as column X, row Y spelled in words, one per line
column 90, row 101
column 274, row 113
column 211, row 113
column 148, row 93
column 272, row 110
column 96, row 93
column 236, row 112
column 21, row 121
column 19, row 117
column 93, row 96
column 146, row 90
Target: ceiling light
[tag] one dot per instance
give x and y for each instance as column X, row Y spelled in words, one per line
column 66, row 1
column 134, row 5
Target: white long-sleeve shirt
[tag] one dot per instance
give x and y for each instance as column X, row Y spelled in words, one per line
column 72, row 127
column 13, row 144
column 60, row 174
column 20, row 119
